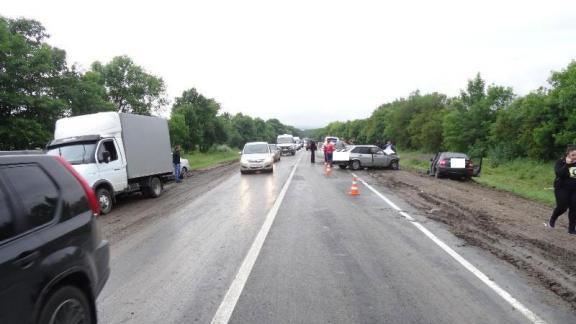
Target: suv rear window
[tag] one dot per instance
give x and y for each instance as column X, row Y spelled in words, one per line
column 36, row 192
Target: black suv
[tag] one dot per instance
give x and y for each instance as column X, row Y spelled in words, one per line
column 53, row 263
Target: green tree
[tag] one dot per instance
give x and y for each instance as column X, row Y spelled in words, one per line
column 130, row 88
column 30, row 71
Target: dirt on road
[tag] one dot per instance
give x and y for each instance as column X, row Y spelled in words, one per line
column 510, row 227
column 133, row 213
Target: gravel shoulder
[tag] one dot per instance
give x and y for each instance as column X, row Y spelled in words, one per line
column 133, row 213
column 510, row 227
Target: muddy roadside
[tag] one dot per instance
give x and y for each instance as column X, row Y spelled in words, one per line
column 133, row 212
column 510, row 227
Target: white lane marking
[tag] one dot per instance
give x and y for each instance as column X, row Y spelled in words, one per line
column 229, row 302
column 531, row 316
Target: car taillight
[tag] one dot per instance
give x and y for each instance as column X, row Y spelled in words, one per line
column 442, row 163
column 469, row 164
column 94, row 205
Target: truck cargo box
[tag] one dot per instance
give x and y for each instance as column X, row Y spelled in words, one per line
column 147, row 145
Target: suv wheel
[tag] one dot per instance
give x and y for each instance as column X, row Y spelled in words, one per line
column 394, row 165
column 355, row 165
column 105, row 200
column 67, row 305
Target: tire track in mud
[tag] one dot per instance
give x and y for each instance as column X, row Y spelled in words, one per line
column 507, row 226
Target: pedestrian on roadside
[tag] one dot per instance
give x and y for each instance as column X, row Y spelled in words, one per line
column 176, row 162
column 329, row 150
column 312, row 147
column 565, row 189
column 390, row 145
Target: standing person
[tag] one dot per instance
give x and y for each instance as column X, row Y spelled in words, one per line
column 176, row 162
column 390, row 145
column 329, row 150
column 312, row 147
column 565, row 189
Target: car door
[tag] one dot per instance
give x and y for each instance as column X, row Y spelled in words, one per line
column 379, row 158
column 366, row 157
column 28, row 202
column 113, row 170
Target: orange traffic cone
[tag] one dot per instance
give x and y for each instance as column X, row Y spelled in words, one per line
column 354, row 188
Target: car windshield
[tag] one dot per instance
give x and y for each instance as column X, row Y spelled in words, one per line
column 284, row 140
column 256, row 149
column 78, row 153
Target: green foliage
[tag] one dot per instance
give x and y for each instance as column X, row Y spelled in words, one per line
column 130, row 88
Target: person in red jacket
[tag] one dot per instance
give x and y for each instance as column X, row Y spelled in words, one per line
column 328, row 151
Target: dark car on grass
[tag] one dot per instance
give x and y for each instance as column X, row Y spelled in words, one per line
column 452, row 164
column 53, row 262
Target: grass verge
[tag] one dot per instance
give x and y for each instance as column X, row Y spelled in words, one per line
column 200, row 160
column 526, row 178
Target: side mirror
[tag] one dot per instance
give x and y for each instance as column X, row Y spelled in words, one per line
column 431, row 159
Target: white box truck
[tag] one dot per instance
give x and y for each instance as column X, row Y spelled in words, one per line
column 116, row 153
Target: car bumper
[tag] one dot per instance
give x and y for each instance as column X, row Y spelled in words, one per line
column 256, row 166
column 456, row 172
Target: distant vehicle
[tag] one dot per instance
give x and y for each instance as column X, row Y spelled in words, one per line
column 365, row 156
column 452, row 164
column 116, row 153
column 53, row 261
column 332, row 139
column 276, row 151
column 184, row 168
column 256, row 156
column 286, row 144
column 298, row 142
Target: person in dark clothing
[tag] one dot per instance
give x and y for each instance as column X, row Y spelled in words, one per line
column 312, row 147
column 176, row 162
column 565, row 189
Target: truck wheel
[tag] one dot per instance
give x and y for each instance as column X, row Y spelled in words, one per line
column 67, row 305
column 394, row 165
column 355, row 165
column 154, row 190
column 105, row 200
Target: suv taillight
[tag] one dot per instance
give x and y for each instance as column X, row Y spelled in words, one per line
column 94, row 206
column 470, row 164
column 442, row 163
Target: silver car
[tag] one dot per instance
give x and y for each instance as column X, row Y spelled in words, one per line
column 365, row 156
column 256, row 156
column 276, row 152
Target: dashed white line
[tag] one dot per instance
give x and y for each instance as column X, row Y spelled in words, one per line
column 229, row 302
column 531, row 316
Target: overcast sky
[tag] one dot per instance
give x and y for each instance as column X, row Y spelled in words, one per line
column 311, row 62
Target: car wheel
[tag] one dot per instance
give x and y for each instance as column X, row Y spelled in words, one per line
column 242, row 172
column 437, row 174
column 184, row 173
column 394, row 165
column 104, row 200
column 154, row 190
column 355, row 165
column 67, row 305
column 342, row 166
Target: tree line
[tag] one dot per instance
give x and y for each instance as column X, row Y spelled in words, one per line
column 37, row 87
column 483, row 120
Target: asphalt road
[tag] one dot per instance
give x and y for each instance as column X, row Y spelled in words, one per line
column 327, row 258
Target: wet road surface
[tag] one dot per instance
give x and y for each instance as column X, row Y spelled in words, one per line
column 327, row 258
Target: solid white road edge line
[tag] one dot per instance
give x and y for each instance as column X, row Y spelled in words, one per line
column 475, row 271
column 229, row 302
